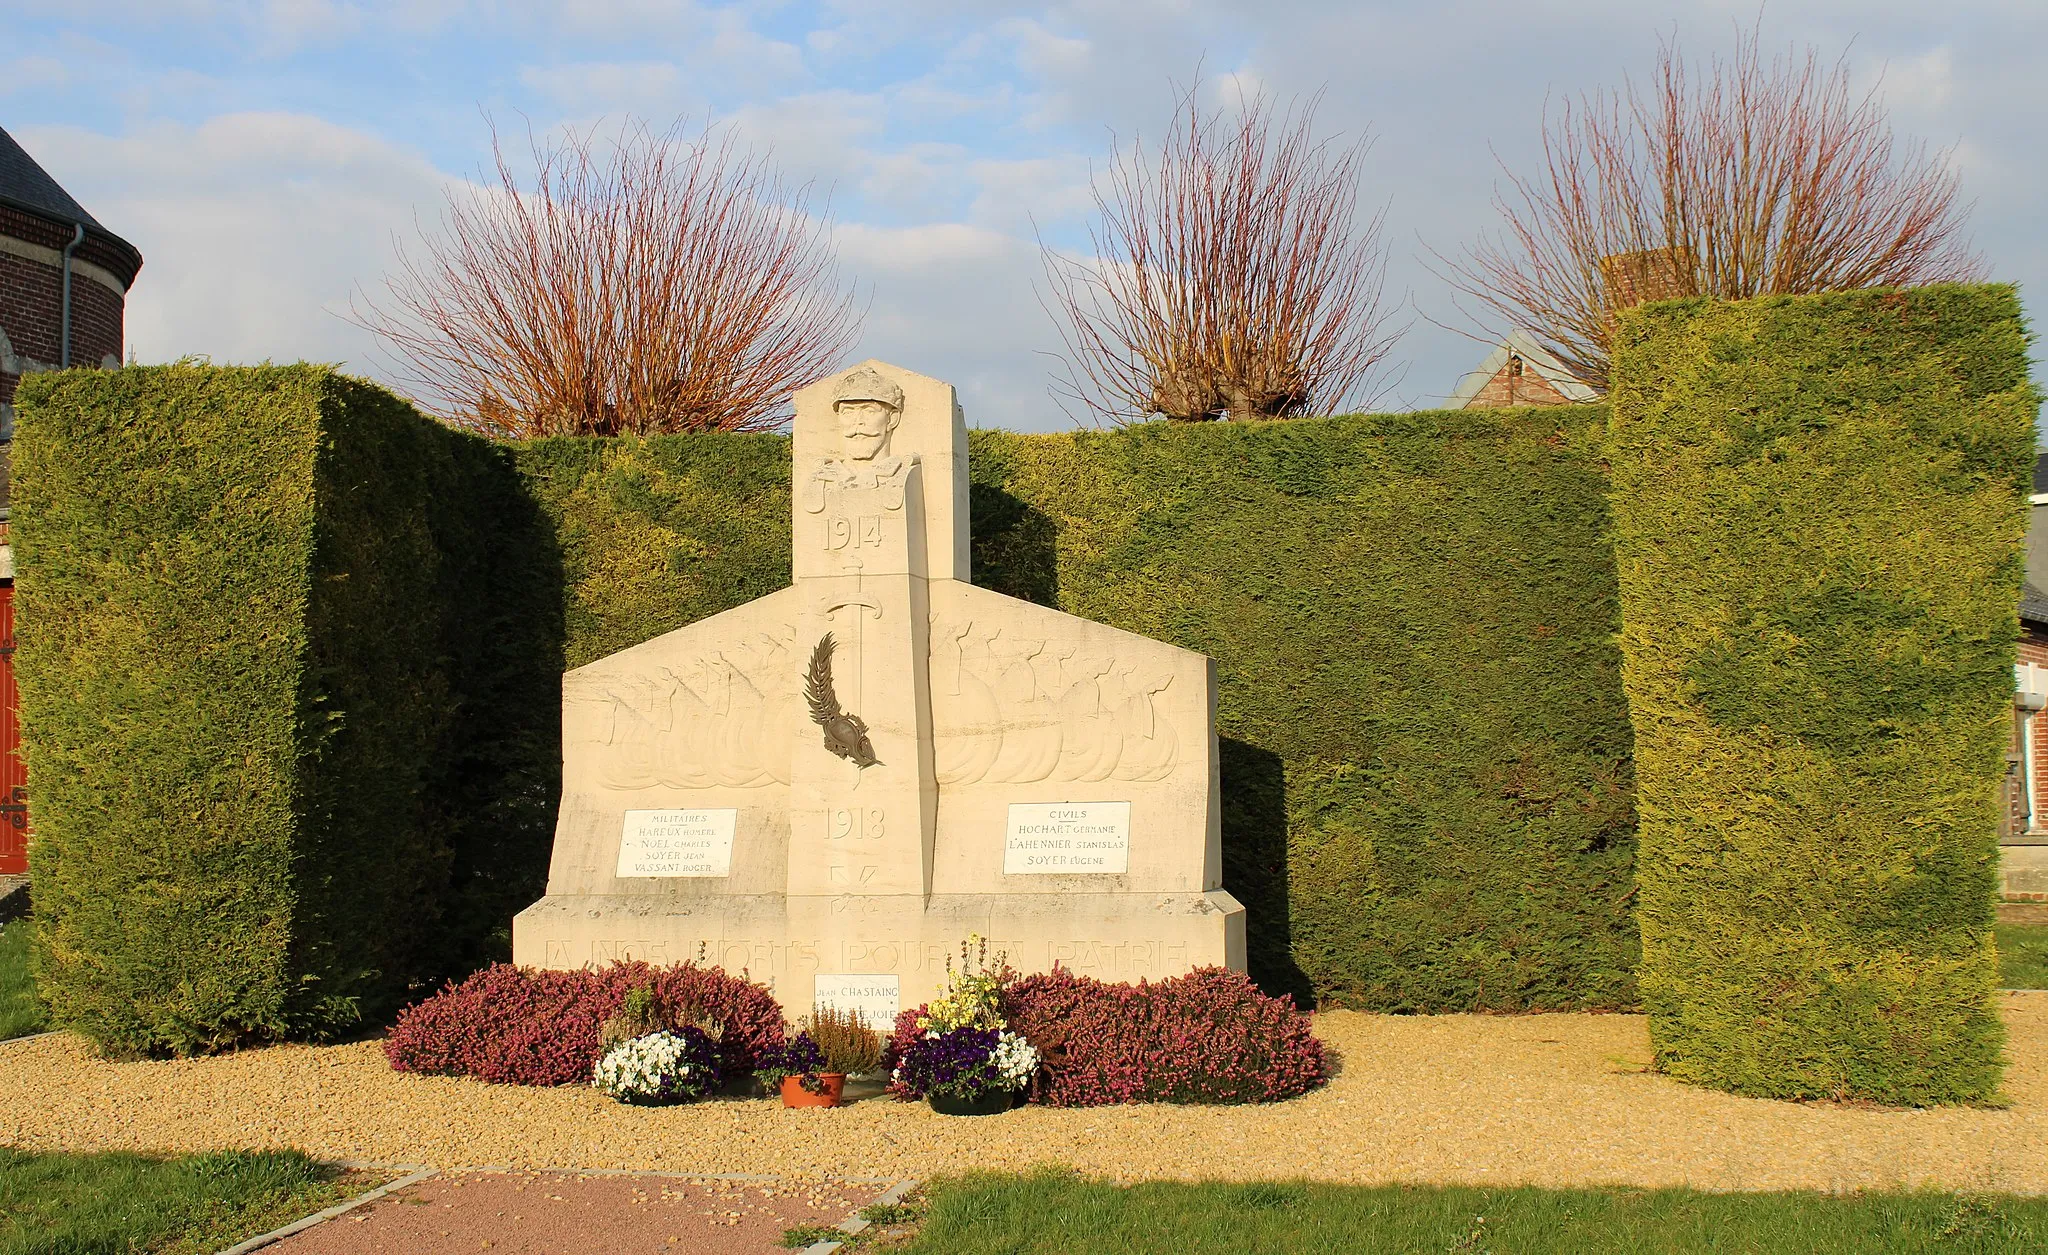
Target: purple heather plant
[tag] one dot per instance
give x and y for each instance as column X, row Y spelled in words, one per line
column 1207, row 1037
column 522, row 1026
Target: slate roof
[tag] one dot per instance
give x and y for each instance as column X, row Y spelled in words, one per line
column 30, row 187
column 2033, row 601
column 2033, row 604
column 28, row 190
column 1534, row 355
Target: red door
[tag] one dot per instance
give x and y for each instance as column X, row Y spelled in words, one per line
column 13, row 775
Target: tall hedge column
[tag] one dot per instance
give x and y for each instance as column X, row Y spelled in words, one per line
column 1819, row 505
column 281, row 707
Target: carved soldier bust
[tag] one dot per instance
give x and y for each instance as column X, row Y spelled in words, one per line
column 868, row 408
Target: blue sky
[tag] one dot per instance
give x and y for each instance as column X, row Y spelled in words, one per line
column 262, row 153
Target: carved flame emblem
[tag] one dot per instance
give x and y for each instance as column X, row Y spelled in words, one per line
column 845, row 734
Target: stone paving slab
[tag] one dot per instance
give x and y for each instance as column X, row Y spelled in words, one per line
column 507, row 1212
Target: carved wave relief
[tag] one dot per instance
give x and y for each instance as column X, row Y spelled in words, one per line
column 1007, row 708
column 1011, row 708
column 722, row 718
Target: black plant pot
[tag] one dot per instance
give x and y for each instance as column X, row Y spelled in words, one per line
column 993, row 1103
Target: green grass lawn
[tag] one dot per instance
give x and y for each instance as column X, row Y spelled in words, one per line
column 123, row 1204
column 2023, row 956
column 20, row 1011
column 1059, row 1214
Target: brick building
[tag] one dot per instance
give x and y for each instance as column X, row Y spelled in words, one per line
column 1523, row 372
column 2023, row 842
column 64, row 278
column 64, row 283
column 1519, row 372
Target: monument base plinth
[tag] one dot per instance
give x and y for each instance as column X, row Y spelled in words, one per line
column 785, row 942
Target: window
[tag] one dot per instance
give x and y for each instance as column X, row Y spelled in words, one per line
column 2023, row 765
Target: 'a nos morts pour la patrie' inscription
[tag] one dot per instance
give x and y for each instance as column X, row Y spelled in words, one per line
column 1068, row 838
column 677, row 842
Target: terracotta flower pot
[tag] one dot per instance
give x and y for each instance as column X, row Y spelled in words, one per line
column 795, row 1095
column 995, row 1102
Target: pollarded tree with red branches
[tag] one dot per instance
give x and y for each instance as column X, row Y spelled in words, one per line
column 1755, row 178
column 1229, row 275
column 651, row 283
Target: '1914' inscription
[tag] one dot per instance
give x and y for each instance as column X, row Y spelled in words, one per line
column 677, row 843
column 1068, row 838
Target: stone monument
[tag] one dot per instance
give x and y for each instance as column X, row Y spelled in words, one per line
column 833, row 785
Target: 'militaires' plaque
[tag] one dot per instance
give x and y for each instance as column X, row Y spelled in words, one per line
column 1068, row 838
column 677, row 843
column 874, row 998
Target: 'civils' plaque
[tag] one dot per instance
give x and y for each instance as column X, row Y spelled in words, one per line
column 1068, row 838
column 678, row 843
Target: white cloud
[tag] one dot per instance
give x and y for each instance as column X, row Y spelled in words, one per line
column 956, row 302
column 255, row 229
column 646, row 88
column 820, row 135
column 1234, row 92
column 1041, row 51
column 290, row 24
column 947, row 127
column 32, row 74
column 744, row 54
column 914, row 179
column 1015, row 195
column 1924, row 83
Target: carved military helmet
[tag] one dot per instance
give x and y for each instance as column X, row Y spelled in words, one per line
column 867, row 384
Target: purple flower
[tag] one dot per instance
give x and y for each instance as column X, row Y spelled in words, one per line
column 954, row 1064
column 799, row 1056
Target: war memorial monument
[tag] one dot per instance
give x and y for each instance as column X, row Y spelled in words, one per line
column 831, row 786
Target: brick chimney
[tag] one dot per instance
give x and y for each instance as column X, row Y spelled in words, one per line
column 1658, row 274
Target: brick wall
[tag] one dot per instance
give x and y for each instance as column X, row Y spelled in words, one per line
column 94, row 251
column 1633, row 279
column 32, row 296
column 1515, row 384
column 2023, row 858
column 2034, row 648
column 32, row 311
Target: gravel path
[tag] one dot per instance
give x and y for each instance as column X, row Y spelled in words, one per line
column 1544, row 1100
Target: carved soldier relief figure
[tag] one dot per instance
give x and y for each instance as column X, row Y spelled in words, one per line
column 868, row 408
column 883, row 758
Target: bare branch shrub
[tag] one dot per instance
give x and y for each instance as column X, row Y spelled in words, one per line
column 1230, row 274
column 1764, row 178
column 657, row 284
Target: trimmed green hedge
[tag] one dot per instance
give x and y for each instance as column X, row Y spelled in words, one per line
column 288, row 726
column 291, row 660
column 1427, row 784
column 657, row 533
column 1819, row 509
